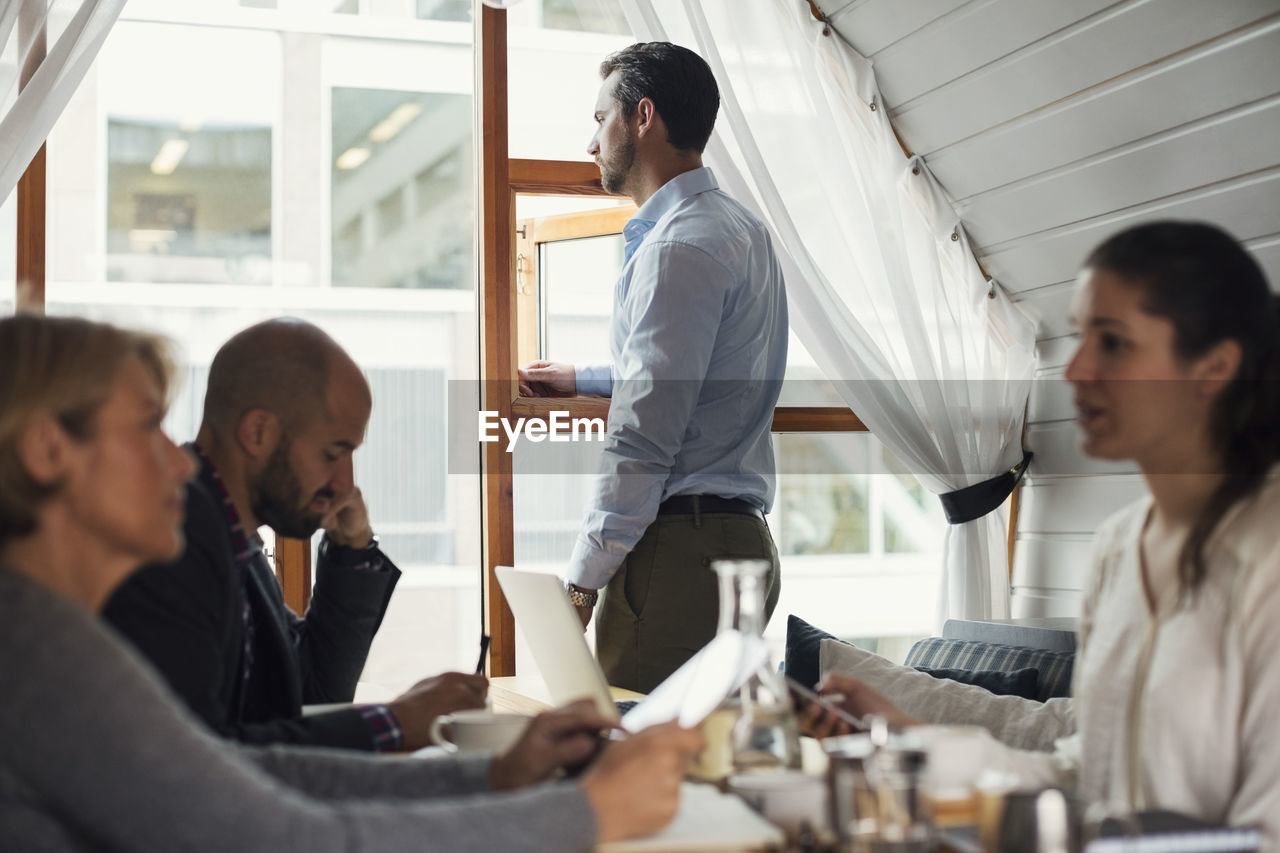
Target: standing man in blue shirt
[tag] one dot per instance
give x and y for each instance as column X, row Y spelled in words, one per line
column 698, row 340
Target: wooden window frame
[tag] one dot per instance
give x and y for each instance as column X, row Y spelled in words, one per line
column 29, row 262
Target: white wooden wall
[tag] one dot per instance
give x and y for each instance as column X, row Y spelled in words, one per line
column 1052, row 124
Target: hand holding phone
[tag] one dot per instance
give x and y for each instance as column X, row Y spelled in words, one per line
column 803, row 697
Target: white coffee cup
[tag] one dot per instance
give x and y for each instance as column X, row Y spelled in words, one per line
column 478, row 730
column 787, row 798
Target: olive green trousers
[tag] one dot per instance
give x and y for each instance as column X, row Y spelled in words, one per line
column 663, row 603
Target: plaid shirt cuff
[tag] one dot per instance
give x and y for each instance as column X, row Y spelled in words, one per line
column 387, row 736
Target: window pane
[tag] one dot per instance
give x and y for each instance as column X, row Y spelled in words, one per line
column 443, row 10
column 254, row 219
column 401, row 170
column 553, row 66
column 595, row 16
column 860, row 540
column 188, row 157
column 188, row 205
column 434, row 10
column 578, row 277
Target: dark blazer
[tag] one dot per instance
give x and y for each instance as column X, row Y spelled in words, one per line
column 187, row 619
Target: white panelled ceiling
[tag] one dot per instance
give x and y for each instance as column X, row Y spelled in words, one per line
column 1053, row 123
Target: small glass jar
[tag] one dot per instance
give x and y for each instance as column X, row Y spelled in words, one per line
column 876, row 794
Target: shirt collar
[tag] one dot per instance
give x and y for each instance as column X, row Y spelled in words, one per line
column 674, row 191
column 246, row 546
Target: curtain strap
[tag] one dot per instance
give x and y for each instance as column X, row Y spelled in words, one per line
column 977, row 500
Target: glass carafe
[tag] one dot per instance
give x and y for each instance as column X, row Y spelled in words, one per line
column 764, row 735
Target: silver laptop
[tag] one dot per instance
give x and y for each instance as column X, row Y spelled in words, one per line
column 552, row 629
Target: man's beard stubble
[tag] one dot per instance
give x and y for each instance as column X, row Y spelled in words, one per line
column 277, row 498
column 614, row 171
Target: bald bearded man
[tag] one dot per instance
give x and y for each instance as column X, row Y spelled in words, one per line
column 285, row 409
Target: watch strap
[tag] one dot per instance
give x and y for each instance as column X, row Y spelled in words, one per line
column 580, row 596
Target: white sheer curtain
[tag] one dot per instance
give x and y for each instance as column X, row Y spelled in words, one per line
column 884, row 290
column 69, row 34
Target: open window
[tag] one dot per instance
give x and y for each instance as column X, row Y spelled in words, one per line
column 566, row 264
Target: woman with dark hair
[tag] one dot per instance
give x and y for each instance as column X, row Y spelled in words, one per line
column 96, row 754
column 1177, row 680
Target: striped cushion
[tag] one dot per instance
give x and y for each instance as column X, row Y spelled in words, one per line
column 1055, row 667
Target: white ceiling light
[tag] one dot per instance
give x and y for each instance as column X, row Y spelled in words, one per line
column 169, row 156
column 395, row 122
column 352, row 157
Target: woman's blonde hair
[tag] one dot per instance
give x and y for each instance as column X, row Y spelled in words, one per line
column 63, row 367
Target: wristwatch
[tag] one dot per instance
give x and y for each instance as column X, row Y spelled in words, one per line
column 581, row 596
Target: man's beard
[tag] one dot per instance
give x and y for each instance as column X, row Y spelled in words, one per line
column 277, row 498
column 614, row 171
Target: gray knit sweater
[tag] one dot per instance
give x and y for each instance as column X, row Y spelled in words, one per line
column 95, row 754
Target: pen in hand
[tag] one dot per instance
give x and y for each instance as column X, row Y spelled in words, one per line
column 484, row 650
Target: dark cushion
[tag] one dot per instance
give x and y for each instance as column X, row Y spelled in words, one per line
column 803, row 644
column 1017, row 682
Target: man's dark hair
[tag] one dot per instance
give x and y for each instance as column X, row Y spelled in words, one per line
column 677, row 80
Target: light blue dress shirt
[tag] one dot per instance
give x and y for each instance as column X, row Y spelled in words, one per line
column 698, row 339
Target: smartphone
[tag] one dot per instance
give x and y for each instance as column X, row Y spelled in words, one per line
column 805, row 697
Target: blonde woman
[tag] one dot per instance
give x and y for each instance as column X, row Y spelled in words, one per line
column 96, row 754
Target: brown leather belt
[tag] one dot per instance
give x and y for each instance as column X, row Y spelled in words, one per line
column 693, row 504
